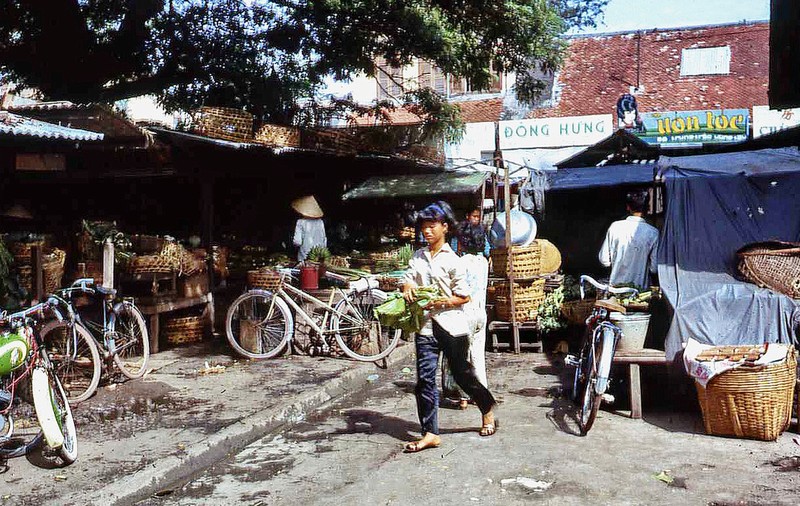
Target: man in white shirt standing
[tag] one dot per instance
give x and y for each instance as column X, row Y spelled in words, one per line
column 630, row 245
column 310, row 229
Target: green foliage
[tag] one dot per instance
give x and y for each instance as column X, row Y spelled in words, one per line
column 272, row 56
column 319, row 254
column 549, row 316
column 11, row 294
column 398, row 314
column 404, row 256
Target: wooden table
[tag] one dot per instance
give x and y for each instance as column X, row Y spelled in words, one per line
column 633, row 359
column 155, row 307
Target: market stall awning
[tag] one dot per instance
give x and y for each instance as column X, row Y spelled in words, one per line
column 417, row 185
column 595, row 177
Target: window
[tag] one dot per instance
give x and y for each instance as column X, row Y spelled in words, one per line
column 461, row 86
column 706, row 60
column 390, row 80
column 431, row 76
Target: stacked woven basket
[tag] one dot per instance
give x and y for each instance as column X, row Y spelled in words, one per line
column 52, row 266
column 184, row 329
column 528, row 289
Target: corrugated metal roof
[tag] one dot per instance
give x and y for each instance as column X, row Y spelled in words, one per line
column 14, row 124
column 417, row 185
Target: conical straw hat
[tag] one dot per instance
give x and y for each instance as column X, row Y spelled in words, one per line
column 307, row 206
column 18, row 211
column 550, row 256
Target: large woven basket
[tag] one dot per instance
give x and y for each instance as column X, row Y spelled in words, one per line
column 550, row 257
column 186, row 329
column 772, row 264
column 223, row 123
column 576, row 312
column 750, row 402
column 525, row 259
column 278, row 135
column 528, row 296
column 266, row 279
column 150, row 264
column 52, row 272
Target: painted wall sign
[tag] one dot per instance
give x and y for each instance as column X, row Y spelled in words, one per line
column 694, row 127
column 767, row 121
column 555, row 132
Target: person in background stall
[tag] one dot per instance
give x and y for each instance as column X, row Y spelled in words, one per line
column 630, row 245
column 310, row 229
column 445, row 330
column 471, row 243
column 473, row 218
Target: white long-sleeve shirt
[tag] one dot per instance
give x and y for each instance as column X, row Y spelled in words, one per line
column 630, row 250
column 307, row 234
column 444, row 270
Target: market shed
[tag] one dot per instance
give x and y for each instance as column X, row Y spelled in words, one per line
column 716, row 204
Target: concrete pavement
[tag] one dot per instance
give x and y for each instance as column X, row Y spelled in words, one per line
column 197, row 405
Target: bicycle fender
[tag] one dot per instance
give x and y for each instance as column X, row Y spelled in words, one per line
column 45, row 408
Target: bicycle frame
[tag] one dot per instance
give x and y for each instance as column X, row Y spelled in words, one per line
column 284, row 294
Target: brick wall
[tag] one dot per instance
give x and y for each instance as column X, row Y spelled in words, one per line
column 599, row 69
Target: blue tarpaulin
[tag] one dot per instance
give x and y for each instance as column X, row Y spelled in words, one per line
column 595, row 177
column 717, row 204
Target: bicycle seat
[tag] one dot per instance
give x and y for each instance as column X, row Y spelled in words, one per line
column 106, row 291
column 611, row 305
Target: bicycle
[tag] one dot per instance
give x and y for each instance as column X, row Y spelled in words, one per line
column 115, row 329
column 593, row 366
column 260, row 324
column 23, row 356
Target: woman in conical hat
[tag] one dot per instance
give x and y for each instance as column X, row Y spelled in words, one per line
column 310, row 229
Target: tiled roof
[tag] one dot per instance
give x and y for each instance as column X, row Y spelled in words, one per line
column 14, row 124
column 472, row 111
column 91, row 117
column 400, row 116
column 477, row 111
column 598, row 69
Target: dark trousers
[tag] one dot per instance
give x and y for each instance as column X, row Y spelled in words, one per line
column 455, row 349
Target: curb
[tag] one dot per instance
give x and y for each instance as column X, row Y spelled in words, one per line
column 173, row 469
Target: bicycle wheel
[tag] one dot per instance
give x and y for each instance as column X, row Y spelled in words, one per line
column 54, row 414
column 75, row 358
column 358, row 332
column 590, row 400
column 259, row 324
column 131, row 340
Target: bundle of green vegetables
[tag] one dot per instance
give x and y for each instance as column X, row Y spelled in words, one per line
column 399, row 314
column 548, row 316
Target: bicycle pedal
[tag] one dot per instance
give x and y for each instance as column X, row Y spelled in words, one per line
column 608, row 398
column 572, row 360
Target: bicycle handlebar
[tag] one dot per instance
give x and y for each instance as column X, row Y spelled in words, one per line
column 607, row 288
column 49, row 304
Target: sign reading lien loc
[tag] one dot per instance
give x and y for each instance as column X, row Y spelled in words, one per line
column 680, row 128
column 768, row 121
column 555, row 132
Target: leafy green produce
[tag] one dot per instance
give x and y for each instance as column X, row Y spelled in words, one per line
column 549, row 312
column 397, row 313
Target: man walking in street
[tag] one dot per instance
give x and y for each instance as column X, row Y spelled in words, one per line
column 630, row 245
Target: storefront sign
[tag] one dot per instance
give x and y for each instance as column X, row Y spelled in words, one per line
column 555, row 132
column 694, row 127
column 767, row 121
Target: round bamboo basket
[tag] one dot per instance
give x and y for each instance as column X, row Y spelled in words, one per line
column 550, row 257
column 750, row 402
column 266, row 279
column 772, row 264
column 525, row 259
column 577, row 311
column 186, row 329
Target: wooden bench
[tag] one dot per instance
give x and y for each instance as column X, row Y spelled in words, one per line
column 633, row 359
column 155, row 307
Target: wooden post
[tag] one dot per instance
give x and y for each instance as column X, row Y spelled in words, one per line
column 208, row 240
column 37, row 274
column 108, row 264
column 510, row 263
